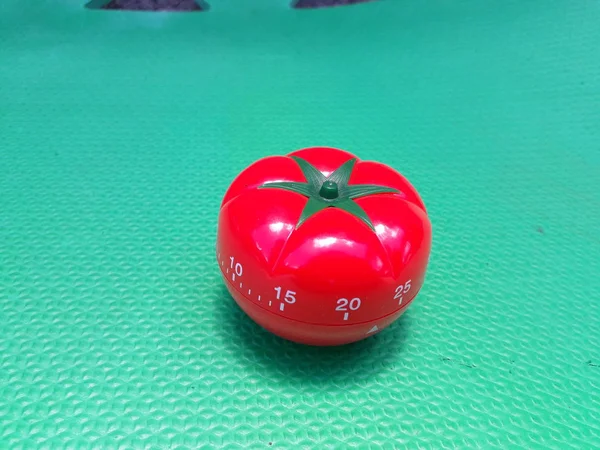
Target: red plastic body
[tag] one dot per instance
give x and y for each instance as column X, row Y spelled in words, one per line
column 333, row 280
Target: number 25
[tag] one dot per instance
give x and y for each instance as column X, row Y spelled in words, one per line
column 402, row 289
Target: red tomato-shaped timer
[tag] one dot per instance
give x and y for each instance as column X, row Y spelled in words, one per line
column 321, row 248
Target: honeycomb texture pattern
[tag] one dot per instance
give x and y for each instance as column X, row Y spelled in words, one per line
column 119, row 134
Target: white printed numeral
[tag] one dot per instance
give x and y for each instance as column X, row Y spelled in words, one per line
column 290, row 296
column 343, row 304
column 401, row 290
column 236, row 266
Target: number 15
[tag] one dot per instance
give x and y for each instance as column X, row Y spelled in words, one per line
column 290, row 296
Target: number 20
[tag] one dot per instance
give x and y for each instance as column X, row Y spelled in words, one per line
column 343, row 304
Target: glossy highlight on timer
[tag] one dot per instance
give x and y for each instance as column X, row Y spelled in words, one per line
column 321, row 248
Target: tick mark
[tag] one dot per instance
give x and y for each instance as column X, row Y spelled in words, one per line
column 222, row 263
column 346, row 315
column 281, row 305
column 233, row 277
column 270, row 302
column 227, row 271
column 240, row 285
column 259, row 298
column 249, row 291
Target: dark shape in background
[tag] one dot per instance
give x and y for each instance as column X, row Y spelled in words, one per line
column 150, row 5
column 200, row 5
column 308, row 4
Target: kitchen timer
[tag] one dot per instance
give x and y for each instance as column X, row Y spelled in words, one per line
column 322, row 248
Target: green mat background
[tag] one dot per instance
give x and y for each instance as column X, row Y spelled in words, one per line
column 119, row 133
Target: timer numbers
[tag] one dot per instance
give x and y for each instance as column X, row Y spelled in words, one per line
column 290, row 296
column 401, row 291
column 236, row 267
column 346, row 305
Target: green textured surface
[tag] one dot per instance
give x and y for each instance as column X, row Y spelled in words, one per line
column 119, row 133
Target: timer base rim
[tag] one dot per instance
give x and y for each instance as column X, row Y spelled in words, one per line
column 318, row 335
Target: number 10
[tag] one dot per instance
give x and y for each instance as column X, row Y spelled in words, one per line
column 237, row 267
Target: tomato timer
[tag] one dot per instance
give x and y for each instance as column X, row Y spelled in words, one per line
column 321, row 248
